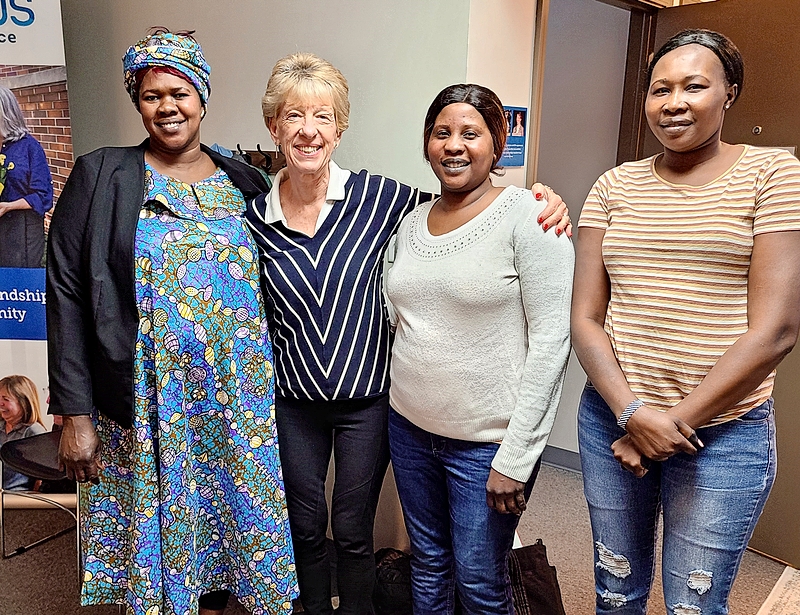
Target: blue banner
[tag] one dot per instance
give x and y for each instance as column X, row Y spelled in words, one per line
column 22, row 304
column 516, row 129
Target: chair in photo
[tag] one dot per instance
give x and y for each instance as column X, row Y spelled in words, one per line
column 37, row 457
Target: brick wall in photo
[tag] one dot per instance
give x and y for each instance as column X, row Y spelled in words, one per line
column 15, row 70
column 46, row 109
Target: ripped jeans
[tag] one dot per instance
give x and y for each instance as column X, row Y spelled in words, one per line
column 711, row 503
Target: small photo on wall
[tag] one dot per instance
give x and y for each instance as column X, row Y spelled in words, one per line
column 517, row 127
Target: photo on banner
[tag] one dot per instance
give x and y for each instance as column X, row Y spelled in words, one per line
column 35, row 160
column 516, row 129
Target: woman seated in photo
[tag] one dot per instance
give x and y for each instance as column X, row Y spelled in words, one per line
column 20, row 417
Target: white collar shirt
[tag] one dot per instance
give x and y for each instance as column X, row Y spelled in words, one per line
column 336, row 192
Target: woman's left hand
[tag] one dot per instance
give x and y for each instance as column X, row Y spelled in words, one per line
column 555, row 214
column 629, row 456
column 504, row 494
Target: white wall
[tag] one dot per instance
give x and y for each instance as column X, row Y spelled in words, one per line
column 396, row 57
column 582, row 100
column 500, row 57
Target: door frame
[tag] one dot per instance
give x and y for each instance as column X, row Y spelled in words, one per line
column 641, row 42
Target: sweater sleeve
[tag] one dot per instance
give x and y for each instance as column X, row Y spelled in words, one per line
column 544, row 263
column 67, row 303
column 39, row 193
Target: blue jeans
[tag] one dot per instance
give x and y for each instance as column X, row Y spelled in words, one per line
column 711, row 503
column 457, row 541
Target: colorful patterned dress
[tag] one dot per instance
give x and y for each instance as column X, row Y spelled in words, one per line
column 191, row 499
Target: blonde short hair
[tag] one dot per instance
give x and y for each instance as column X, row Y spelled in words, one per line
column 24, row 391
column 305, row 74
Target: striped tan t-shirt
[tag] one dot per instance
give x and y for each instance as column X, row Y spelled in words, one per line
column 678, row 258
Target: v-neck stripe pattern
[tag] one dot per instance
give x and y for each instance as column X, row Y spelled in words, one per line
column 323, row 293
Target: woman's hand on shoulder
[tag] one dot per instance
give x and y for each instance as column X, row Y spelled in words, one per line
column 79, row 449
column 555, row 214
column 660, row 435
column 504, row 494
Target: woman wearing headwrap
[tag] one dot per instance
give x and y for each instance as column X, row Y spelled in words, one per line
column 161, row 364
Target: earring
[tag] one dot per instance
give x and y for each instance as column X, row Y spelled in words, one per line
column 278, row 148
column 727, row 106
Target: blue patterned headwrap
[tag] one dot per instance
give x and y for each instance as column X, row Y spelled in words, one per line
column 180, row 52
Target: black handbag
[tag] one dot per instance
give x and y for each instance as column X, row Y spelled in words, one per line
column 534, row 584
column 392, row 594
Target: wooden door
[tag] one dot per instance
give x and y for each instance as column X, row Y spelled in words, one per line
column 768, row 34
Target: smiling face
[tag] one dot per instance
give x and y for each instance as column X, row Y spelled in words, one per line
column 306, row 130
column 10, row 409
column 171, row 112
column 460, row 148
column 687, row 98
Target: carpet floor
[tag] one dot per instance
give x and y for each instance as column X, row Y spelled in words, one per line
column 45, row 579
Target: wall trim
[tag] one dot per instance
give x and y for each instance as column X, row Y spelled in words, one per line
column 537, row 90
column 561, row 458
column 642, row 5
column 633, row 125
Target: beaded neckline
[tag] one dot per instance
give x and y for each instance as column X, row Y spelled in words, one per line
column 430, row 247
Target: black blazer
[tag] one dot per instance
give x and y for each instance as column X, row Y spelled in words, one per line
column 92, row 319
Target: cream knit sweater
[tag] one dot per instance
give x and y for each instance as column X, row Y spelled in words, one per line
column 482, row 337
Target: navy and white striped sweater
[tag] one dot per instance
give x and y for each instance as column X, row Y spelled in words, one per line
column 324, row 303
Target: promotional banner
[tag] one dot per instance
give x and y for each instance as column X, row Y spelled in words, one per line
column 30, row 32
column 22, row 304
column 35, row 161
